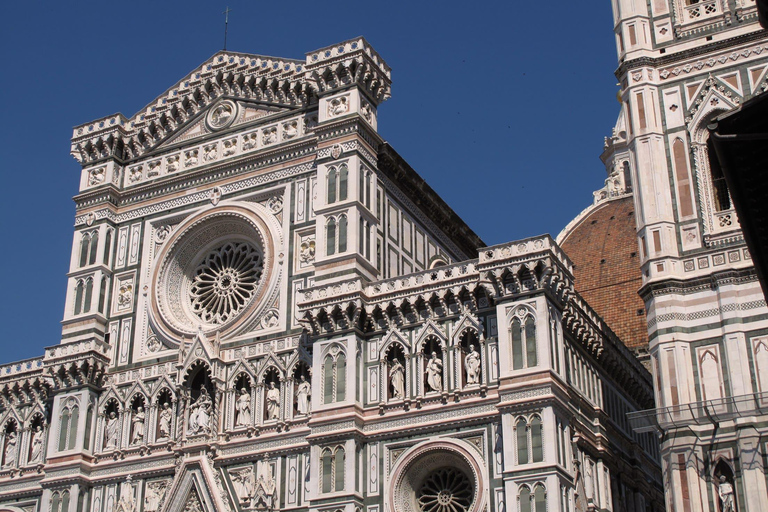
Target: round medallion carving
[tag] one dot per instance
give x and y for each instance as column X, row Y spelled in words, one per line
column 222, row 114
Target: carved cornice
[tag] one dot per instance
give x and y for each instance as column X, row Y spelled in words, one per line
column 698, row 284
column 506, row 272
column 285, row 83
column 691, row 53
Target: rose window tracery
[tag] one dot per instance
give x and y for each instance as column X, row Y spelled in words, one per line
column 445, row 490
column 225, row 282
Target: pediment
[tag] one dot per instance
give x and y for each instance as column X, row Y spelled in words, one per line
column 246, row 112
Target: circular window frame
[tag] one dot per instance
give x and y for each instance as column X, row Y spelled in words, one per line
column 183, row 252
column 419, row 462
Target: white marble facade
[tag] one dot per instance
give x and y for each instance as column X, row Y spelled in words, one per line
column 261, row 315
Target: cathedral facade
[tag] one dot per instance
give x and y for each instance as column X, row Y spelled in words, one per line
column 268, row 309
column 683, row 63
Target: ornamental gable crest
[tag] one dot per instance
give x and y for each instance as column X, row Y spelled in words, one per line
column 219, row 115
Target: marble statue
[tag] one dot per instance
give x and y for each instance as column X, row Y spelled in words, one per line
column 472, row 366
column 36, row 443
column 111, row 431
column 303, row 393
column 725, row 491
column 199, row 417
column 138, row 426
column 10, row 450
column 397, row 379
column 273, row 402
column 243, row 408
column 435, row 373
column 164, row 424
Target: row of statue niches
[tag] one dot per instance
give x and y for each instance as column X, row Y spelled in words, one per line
column 12, row 445
column 197, row 414
column 433, row 370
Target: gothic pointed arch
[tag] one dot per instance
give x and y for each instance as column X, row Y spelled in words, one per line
column 430, row 329
column 465, row 323
column 241, row 368
column 393, row 336
column 270, row 361
column 164, row 384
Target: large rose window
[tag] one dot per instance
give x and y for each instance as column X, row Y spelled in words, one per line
column 446, row 490
column 439, row 475
column 225, row 282
column 214, row 274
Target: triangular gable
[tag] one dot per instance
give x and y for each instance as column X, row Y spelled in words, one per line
column 733, row 81
column 196, row 488
column 299, row 356
column 714, row 100
column 467, row 322
column 266, row 362
column 691, row 90
column 393, row 336
column 241, row 366
column 110, row 394
column 430, row 328
column 160, row 385
column 196, row 127
column 756, row 75
column 200, row 349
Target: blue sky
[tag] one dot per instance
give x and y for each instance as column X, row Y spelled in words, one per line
column 501, row 106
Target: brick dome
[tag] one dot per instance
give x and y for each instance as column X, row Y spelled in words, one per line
column 602, row 243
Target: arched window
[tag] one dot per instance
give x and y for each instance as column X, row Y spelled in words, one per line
column 521, row 428
column 56, row 502
column 343, row 233
column 721, row 196
column 332, row 469
column 539, row 499
column 79, row 297
column 94, row 248
column 331, row 185
column 361, row 237
column 326, row 466
column 88, row 294
column 530, row 342
column 73, row 427
column 683, row 175
column 330, row 237
column 338, row 469
column 64, row 501
column 88, row 421
column 102, row 293
column 343, row 180
column 63, row 429
column 523, row 334
column 84, row 244
column 328, row 392
column 341, row 378
column 334, row 377
column 537, row 449
column 710, row 376
column 525, row 499
column 107, row 248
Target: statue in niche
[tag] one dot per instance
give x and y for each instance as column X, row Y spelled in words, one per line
column 303, row 392
column 111, row 431
column 199, row 417
column 36, row 443
column 138, row 426
column 10, row 449
column 472, row 366
column 725, row 492
column 435, row 373
column 243, row 408
column 273, row 402
column 164, row 424
column 397, row 379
